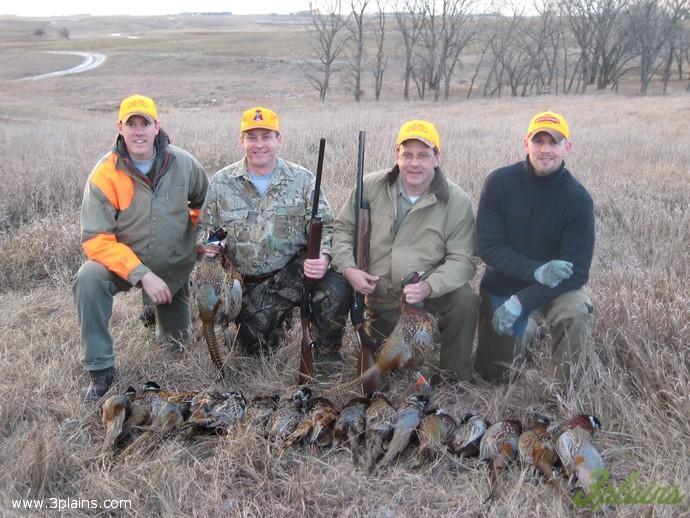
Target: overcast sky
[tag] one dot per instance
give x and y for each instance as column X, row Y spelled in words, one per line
column 138, row 7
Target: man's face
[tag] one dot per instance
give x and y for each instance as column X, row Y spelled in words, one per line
column 545, row 154
column 261, row 147
column 139, row 135
column 417, row 162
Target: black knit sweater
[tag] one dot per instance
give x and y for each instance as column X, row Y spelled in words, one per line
column 524, row 221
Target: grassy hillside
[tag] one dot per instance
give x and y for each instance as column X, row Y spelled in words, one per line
column 631, row 154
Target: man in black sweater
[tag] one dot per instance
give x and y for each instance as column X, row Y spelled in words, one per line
column 535, row 232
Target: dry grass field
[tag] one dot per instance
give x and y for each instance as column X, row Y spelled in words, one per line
column 631, row 153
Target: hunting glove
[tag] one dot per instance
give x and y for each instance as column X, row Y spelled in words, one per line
column 552, row 273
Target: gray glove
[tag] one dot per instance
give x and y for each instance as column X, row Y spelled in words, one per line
column 553, row 273
column 506, row 315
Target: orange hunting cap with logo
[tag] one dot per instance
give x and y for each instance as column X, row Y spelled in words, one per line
column 138, row 105
column 550, row 122
column 259, row 117
column 420, row 130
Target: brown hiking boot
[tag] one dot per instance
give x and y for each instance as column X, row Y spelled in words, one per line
column 100, row 383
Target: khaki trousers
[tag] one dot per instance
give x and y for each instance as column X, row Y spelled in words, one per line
column 457, row 321
column 570, row 319
column 94, row 288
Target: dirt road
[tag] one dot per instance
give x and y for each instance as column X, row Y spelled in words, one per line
column 91, row 60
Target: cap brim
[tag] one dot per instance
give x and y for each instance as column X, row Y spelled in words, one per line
column 421, row 139
column 557, row 135
column 145, row 115
column 260, row 126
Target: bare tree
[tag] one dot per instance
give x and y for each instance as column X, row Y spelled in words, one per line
column 457, row 34
column 380, row 62
column 654, row 23
column 356, row 28
column 605, row 45
column 328, row 22
column 64, row 32
column 409, row 14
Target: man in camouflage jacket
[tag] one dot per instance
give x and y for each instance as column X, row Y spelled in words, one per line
column 264, row 204
column 137, row 229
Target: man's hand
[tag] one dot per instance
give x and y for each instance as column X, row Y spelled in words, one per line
column 316, row 268
column 416, row 292
column 506, row 315
column 361, row 281
column 211, row 250
column 553, row 273
column 156, row 289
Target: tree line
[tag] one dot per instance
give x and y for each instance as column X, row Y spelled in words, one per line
column 553, row 47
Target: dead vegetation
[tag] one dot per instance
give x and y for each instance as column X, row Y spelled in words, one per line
column 631, row 153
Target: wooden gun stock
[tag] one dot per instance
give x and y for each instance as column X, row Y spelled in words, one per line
column 306, row 358
column 367, row 346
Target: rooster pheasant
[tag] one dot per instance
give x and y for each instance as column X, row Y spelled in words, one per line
column 435, row 433
column 468, row 435
column 407, row 419
column 350, row 425
column 379, row 422
column 218, row 292
column 499, row 446
column 316, row 430
column 216, row 411
column 120, row 414
column 411, row 338
column 580, row 458
column 289, row 415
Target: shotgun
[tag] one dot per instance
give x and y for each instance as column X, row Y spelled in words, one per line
column 306, row 359
column 367, row 346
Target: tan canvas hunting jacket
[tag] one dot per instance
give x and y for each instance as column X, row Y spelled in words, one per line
column 437, row 236
column 264, row 233
column 132, row 225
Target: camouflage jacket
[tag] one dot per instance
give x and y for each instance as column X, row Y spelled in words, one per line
column 264, row 233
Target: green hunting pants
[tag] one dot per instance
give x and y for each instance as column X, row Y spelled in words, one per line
column 94, row 288
column 570, row 319
column 457, row 321
column 268, row 304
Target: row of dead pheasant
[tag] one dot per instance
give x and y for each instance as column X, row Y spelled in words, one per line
column 139, row 421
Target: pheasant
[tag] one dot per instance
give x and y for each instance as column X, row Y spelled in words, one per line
column 216, row 411
column 407, row 419
column 499, row 446
column 218, row 292
column 379, row 422
column 154, row 396
column 580, row 458
column 411, row 338
column 316, row 430
column 468, row 435
column 289, row 415
column 350, row 425
column 435, row 433
column 261, row 409
column 167, row 420
column 536, row 449
column 120, row 414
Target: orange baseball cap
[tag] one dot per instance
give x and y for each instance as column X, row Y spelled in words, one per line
column 138, row 105
column 259, row 117
column 550, row 122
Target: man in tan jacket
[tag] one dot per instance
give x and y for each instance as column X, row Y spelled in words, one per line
column 420, row 221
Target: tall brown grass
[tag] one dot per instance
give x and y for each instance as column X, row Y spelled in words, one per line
column 637, row 376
